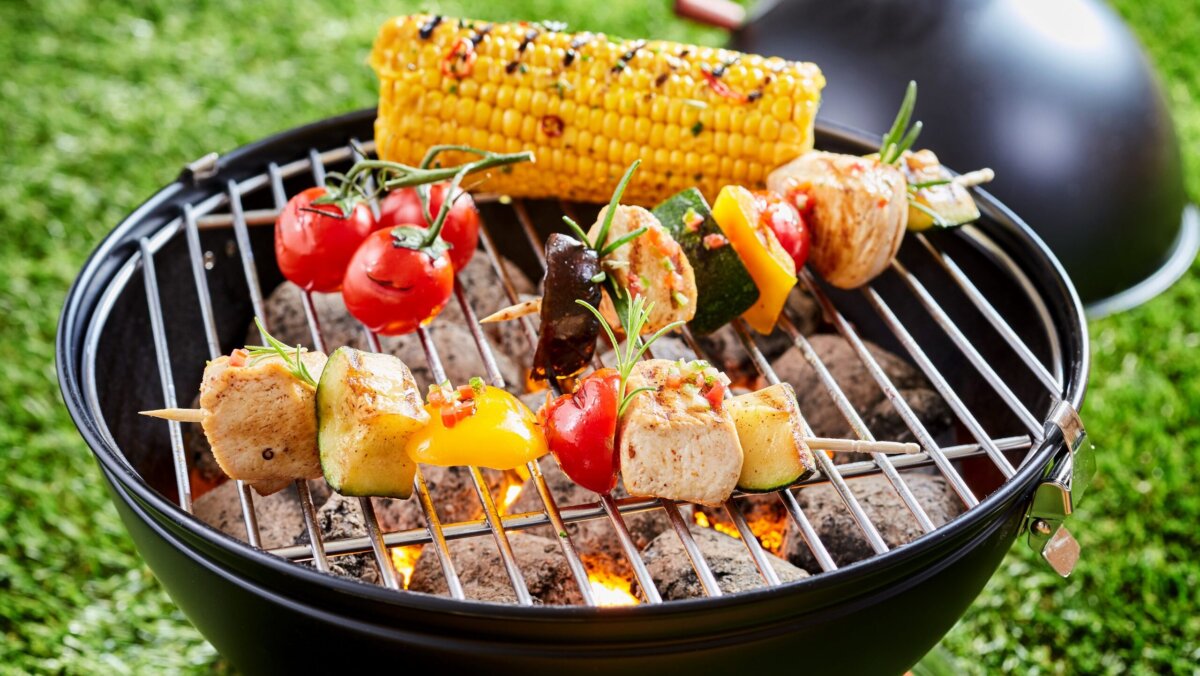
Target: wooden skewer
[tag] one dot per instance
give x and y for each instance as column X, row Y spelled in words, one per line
column 195, row 415
column 514, row 311
column 192, row 415
column 861, row 446
column 974, row 178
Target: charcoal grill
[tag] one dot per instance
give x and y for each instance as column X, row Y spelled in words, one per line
column 984, row 312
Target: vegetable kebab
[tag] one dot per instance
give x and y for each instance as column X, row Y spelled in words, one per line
column 275, row 414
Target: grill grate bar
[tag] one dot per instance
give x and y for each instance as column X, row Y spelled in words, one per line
column 594, row 510
column 497, row 380
column 645, row 581
column 990, row 313
column 433, row 525
column 757, row 553
column 889, row 389
column 318, row 164
column 510, row 290
column 183, row 482
column 972, row 354
column 856, row 422
column 383, row 558
column 939, row 382
column 520, row 588
column 699, row 563
column 811, row 538
column 196, row 254
column 703, row 572
column 827, row 466
column 250, row 270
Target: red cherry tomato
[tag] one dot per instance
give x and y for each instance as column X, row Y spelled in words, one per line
column 581, row 431
column 786, row 222
column 461, row 230
column 314, row 243
column 392, row 290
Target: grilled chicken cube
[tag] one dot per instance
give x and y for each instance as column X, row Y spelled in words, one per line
column 673, row 442
column 653, row 265
column 261, row 420
column 859, row 212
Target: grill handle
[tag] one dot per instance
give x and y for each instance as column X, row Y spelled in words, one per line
column 1061, row 491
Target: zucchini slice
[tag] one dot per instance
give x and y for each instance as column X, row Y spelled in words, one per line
column 724, row 288
column 368, row 406
column 940, row 205
column 768, row 426
column 951, row 202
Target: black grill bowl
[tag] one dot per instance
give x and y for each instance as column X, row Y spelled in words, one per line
column 265, row 614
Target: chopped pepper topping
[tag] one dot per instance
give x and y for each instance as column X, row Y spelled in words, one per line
column 714, row 241
column 460, row 62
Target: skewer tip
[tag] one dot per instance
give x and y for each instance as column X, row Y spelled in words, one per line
column 193, row 415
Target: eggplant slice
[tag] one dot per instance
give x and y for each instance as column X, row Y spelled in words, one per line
column 568, row 333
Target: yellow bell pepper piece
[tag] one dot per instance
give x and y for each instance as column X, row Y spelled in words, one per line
column 501, row 434
column 771, row 268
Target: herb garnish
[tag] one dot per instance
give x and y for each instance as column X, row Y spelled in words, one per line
column 600, row 246
column 637, row 312
column 291, row 356
column 900, row 137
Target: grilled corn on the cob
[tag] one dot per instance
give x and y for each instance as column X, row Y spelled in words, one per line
column 588, row 106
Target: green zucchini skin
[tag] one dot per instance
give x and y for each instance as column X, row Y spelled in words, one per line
column 724, row 288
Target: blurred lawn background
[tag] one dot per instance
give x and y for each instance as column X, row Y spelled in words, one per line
column 102, row 102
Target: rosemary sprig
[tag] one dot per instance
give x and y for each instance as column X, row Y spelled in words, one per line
column 900, row 138
column 578, row 231
column 637, row 312
column 600, row 246
column 602, row 235
column 921, row 185
column 291, row 356
column 622, row 241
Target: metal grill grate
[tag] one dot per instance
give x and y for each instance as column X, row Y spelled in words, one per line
column 204, row 214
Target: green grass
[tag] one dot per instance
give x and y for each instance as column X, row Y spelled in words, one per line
column 101, row 103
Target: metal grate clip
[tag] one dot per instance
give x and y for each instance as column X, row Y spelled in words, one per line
column 1060, row 493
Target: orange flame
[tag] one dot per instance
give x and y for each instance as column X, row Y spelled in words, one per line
column 405, row 561
column 768, row 531
column 611, row 590
column 511, row 493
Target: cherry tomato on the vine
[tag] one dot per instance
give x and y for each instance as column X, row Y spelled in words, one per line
column 787, row 223
column 314, row 242
column 461, row 231
column 581, row 431
column 393, row 289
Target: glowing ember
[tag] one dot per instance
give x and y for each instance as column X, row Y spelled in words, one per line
column 769, row 533
column 703, row 521
column 611, row 590
column 767, row 529
column 405, row 561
